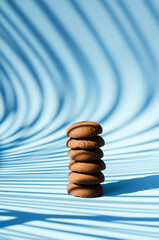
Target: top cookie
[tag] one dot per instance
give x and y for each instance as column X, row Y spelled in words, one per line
column 84, row 129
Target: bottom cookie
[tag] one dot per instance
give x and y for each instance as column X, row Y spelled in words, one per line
column 86, row 191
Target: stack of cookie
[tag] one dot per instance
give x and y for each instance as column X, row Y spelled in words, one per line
column 86, row 164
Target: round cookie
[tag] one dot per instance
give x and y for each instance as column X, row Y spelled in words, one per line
column 89, row 143
column 85, row 155
column 87, row 167
column 84, row 191
column 84, row 129
column 85, row 179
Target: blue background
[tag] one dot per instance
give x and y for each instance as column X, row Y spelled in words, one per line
column 67, row 61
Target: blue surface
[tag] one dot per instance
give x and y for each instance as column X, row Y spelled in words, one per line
column 68, row 61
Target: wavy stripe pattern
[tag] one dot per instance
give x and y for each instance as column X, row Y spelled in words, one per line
column 68, row 61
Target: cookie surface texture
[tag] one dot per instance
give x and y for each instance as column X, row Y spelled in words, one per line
column 84, row 130
column 87, row 167
column 86, row 179
column 85, row 155
column 89, row 143
column 84, row 191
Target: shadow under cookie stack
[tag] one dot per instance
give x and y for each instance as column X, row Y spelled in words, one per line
column 86, row 165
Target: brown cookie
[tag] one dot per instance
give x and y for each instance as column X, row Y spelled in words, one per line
column 87, row 167
column 86, row 179
column 89, row 143
column 84, row 191
column 84, row 129
column 85, row 155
